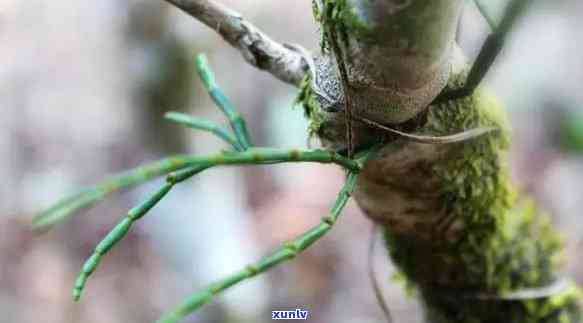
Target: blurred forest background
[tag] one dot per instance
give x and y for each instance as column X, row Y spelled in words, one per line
column 83, row 87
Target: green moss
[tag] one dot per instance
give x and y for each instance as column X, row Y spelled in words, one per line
column 504, row 242
column 554, row 306
column 476, row 189
column 339, row 17
column 312, row 112
column 316, row 11
column 354, row 24
column 561, row 308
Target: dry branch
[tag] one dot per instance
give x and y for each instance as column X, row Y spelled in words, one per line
column 288, row 63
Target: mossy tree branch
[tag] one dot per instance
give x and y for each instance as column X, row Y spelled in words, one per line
column 455, row 225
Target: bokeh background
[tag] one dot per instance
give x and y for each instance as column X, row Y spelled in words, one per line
column 83, row 87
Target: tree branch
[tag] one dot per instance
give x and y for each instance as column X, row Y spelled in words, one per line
column 397, row 52
column 288, row 63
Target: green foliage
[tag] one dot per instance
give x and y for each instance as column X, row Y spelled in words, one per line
column 306, row 98
column 205, row 125
column 503, row 243
column 181, row 168
column 339, row 19
column 222, row 101
column 85, row 198
column 288, row 251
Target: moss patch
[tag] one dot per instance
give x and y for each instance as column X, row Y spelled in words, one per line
column 505, row 243
column 312, row 112
column 340, row 18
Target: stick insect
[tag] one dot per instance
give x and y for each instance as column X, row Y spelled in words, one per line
column 180, row 168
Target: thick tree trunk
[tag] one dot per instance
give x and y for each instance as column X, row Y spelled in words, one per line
column 473, row 247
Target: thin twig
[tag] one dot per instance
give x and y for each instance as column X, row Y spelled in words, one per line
column 286, row 62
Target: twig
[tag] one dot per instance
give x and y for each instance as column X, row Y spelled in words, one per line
column 286, row 62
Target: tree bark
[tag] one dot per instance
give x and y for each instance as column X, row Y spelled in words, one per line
column 397, row 53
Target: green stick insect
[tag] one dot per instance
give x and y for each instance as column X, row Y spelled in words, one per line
column 179, row 168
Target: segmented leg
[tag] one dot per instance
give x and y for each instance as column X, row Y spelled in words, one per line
column 287, row 252
column 193, row 165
